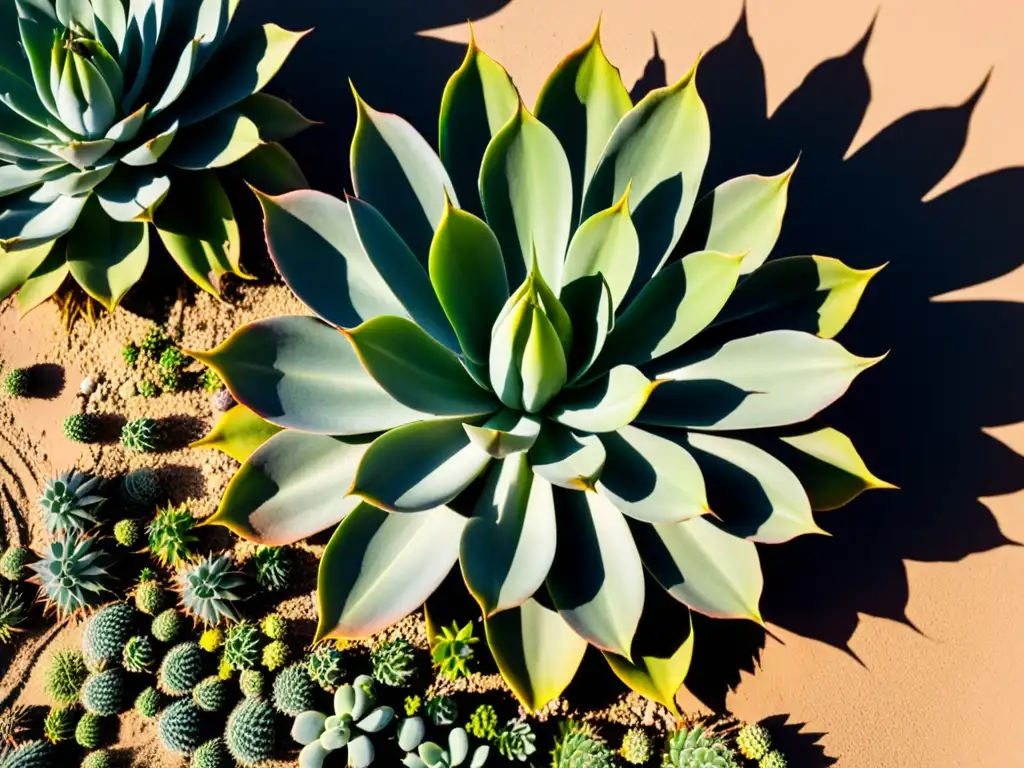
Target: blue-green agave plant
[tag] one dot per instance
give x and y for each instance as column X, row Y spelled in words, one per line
column 111, row 114
column 556, row 394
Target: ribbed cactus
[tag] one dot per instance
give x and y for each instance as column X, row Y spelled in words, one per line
column 579, row 746
column 142, row 488
column 104, row 692
column 250, row 732
column 69, row 502
column 697, row 748
column 207, row 588
column 107, row 633
column 89, row 731
column 33, row 754
column 141, row 435
column 212, row 694
column 72, row 573
column 128, row 533
column 139, row 654
column 252, row 683
column 181, row 669
column 81, row 428
column 12, row 563
column 148, row 703
column 272, row 566
column 637, row 747
column 180, row 727
column 294, row 690
column 59, row 724
column 65, row 674
column 149, row 596
column 167, row 625
column 442, row 710
column 753, row 741
column 242, row 644
column 517, row 741
column 17, row 382
column 98, row 759
column 394, row 662
column 326, row 665
column 211, row 754
column 171, row 534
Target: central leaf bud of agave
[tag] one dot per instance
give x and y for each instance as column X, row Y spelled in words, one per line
column 86, row 82
column 529, row 347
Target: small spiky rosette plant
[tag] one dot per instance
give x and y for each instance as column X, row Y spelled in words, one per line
column 697, row 748
column 273, row 566
column 442, row 710
column 141, row 435
column 294, row 690
column 72, row 573
column 69, row 502
column 326, row 665
column 64, row 676
column 579, row 746
column 59, row 724
column 394, row 662
column 753, row 741
column 170, row 535
column 106, row 634
column 517, row 741
column 208, row 587
column 452, row 650
column 13, row 612
column 242, row 644
column 12, row 563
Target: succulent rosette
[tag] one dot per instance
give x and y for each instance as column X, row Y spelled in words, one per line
column 541, row 356
column 112, row 115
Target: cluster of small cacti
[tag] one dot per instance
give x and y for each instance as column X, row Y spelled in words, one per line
column 69, row 502
column 171, row 534
column 755, row 743
column 394, row 662
column 273, row 567
column 452, row 651
column 12, row 563
column 18, row 382
column 81, row 428
column 13, row 611
column 207, row 588
column 141, row 435
column 72, row 573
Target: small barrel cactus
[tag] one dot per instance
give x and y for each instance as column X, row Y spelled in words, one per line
column 59, row 724
column 170, row 535
column 81, row 428
column 104, row 692
column 18, row 382
column 180, row 727
column 753, row 741
column 517, row 741
column 275, row 655
column 149, row 596
column 250, row 732
column 242, row 645
column 142, row 488
column 107, row 633
column 181, row 669
column 483, row 723
column 211, row 639
column 442, row 710
column 211, row 694
column 140, row 435
column 148, row 703
column 580, row 746
column 65, row 675
column 128, row 533
column 32, row 754
column 89, row 731
column 71, row 573
column 273, row 567
column 211, row 754
column 252, row 683
column 326, row 665
column 394, row 663
column 697, row 748
column 207, row 589
column 167, row 625
column 773, row 759
column 350, row 727
column 139, row 654
column 274, row 626
column 97, row 759
column 294, row 690
column 69, row 502
column 12, row 563
column 637, row 747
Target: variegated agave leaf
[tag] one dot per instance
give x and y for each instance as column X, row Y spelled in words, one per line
column 554, row 362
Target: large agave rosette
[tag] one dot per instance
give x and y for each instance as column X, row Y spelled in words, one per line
column 112, row 115
column 543, row 357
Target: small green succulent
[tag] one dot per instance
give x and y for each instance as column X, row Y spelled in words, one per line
column 141, row 435
column 167, row 625
column 251, row 732
column 697, row 748
column 326, row 665
column 130, row 353
column 242, row 644
column 147, row 388
column 65, row 674
column 211, row 694
column 181, row 670
column 252, row 683
column 99, row 758
column 103, row 693
column 211, row 639
column 274, row 626
column 637, row 746
column 211, row 754
column 149, row 596
column 275, row 655
column 207, row 589
column 17, row 382
column 59, row 724
column 148, row 702
column 12, row 563
column 173, row 359
column 753, row 741
column 155, row 342
column 412, row 705
column 139, row 654
column 72, row 573
column 142, row 488
column 210, row 381
column 172, row 380
column 128, row 533
column 394, row 662
column 106, row 634
column 69, row 502
column 294, row 690
column 442, row 710
column 452, row 650
column 483, row 723
column 427, row 754
column 170, row 535
column 13, row 612
column 579, row 746
column 81, row 428
column 273, row 567
column 774, row 759
column 180, row 727
column 89, row 731
column 354, row 720
column 517, row 741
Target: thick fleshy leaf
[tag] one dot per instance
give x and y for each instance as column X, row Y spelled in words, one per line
column 107, row 257
column 567, row 459
column 509, row 544
column 271, row 169
column 197, row 226
column 128, row 128
column 151, row 151
column 360, row 752
column 829, row 467
column 110, row 23
column 21, row 98
column 477, row 102
column 84, row 154
column 44, row 281
column 300, row 373
column 241, row 68
column 378, row 567
column 505, row 433
column 37, row 40
column 132, row 194
column 458, row 746
column 743, row 215
column 410, row 732
column 659, row 149
column 526, row 189
column 17, row 267
column 588, row 303
column 605, row 244
column 704, row 567
column 313, row 755
column 597, row 583
column 419, row 466
column 651, row 478
column 605, row 405
column 677, row 304
column 314, row 245
column 308, row 726
column 376, row 720
column 180, row 78
column 292, row 487
column 404, row 274
column 14, row 149
column 212, row 22
column 581, row 102
column 416, row 370
column 15, row 178
column 756, row 495
column 783, row 377
column 543, row 369
column 468, row 275
column 535, row 650
column 26, row 223
column 816, row 294
column 238, row 433
column 146, row 23
column 78, row 183
column 396, row 171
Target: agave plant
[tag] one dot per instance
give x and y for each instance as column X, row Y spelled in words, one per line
column 556, row 394
column 206, row 589
column 72, row 573
column 105, row 109
column 69, row 502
